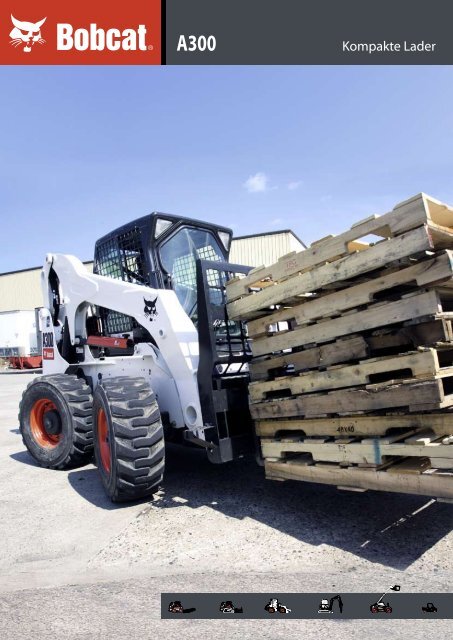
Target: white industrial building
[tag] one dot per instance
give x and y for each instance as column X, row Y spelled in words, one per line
column 264, row 248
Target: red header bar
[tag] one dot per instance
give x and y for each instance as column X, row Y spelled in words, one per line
column 80, row 32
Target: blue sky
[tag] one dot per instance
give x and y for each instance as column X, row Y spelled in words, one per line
column 85, row 149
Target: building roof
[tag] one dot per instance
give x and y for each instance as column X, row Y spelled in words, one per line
column 9, row 273
column 271, row 233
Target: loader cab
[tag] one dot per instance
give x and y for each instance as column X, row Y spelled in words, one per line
column 160, row 251
column 177, row 253
column 164, row 251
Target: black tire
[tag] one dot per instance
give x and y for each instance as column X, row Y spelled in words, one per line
column 55, row 418
column 128, row 438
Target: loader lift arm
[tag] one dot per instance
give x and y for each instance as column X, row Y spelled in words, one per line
column 176, row 339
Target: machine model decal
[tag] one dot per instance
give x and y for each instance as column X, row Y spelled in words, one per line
column 47, row 345
column 150, row 309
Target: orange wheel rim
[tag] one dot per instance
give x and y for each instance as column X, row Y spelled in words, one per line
column 104, row 444
column 37, row 424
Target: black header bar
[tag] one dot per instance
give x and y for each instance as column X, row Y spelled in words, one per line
column 346, row 32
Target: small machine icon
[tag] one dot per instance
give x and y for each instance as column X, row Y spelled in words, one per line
column 176, row 607
column 326, row 606
column 384, row 607
column 274, row 606
column 228, row 607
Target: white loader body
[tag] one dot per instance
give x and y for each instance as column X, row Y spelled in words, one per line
column 170, row 364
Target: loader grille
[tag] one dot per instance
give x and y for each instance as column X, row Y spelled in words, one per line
column 184, row 267
column 121, row 258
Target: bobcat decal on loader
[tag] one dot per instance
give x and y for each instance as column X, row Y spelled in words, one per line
column 150, row 309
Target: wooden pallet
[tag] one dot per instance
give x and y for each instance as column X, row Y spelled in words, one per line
column 414, row 396
column 426, row 305
column 438, row 484
column 325, row 413
column 383, row 341
column 421, row 364
column 413, row 243
column 441, row 424
column 343, row 350
column 389, row 283
column 365, row 451
column 412, row 213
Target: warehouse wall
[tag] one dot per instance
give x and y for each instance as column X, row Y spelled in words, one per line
column 21, row 290
column 264, row 249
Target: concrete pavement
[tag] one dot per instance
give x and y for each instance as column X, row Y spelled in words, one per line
column 75, row 566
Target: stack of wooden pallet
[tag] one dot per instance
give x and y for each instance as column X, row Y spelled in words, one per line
column 352, row 370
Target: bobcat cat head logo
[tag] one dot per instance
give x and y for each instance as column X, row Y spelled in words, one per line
column 27, row 33
column 150, row 310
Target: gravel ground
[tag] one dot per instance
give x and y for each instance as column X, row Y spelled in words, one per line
column 99, row 568
column 230, row 517
column 131, row 609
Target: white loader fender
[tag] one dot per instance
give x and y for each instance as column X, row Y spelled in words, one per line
column 158, row 310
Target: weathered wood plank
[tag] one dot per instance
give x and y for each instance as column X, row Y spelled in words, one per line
column 354, row 348
column 378, row 315
column 377, row 256
column 420, row 364
column 405, row 216
column 435, row 270
column 440, row 423
column 433, row 484
column 356, row 452
column 413, row 395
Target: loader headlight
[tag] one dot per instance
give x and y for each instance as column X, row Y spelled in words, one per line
column 161, row 226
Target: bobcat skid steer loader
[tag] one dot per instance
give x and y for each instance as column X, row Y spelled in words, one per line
column 139, row 350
